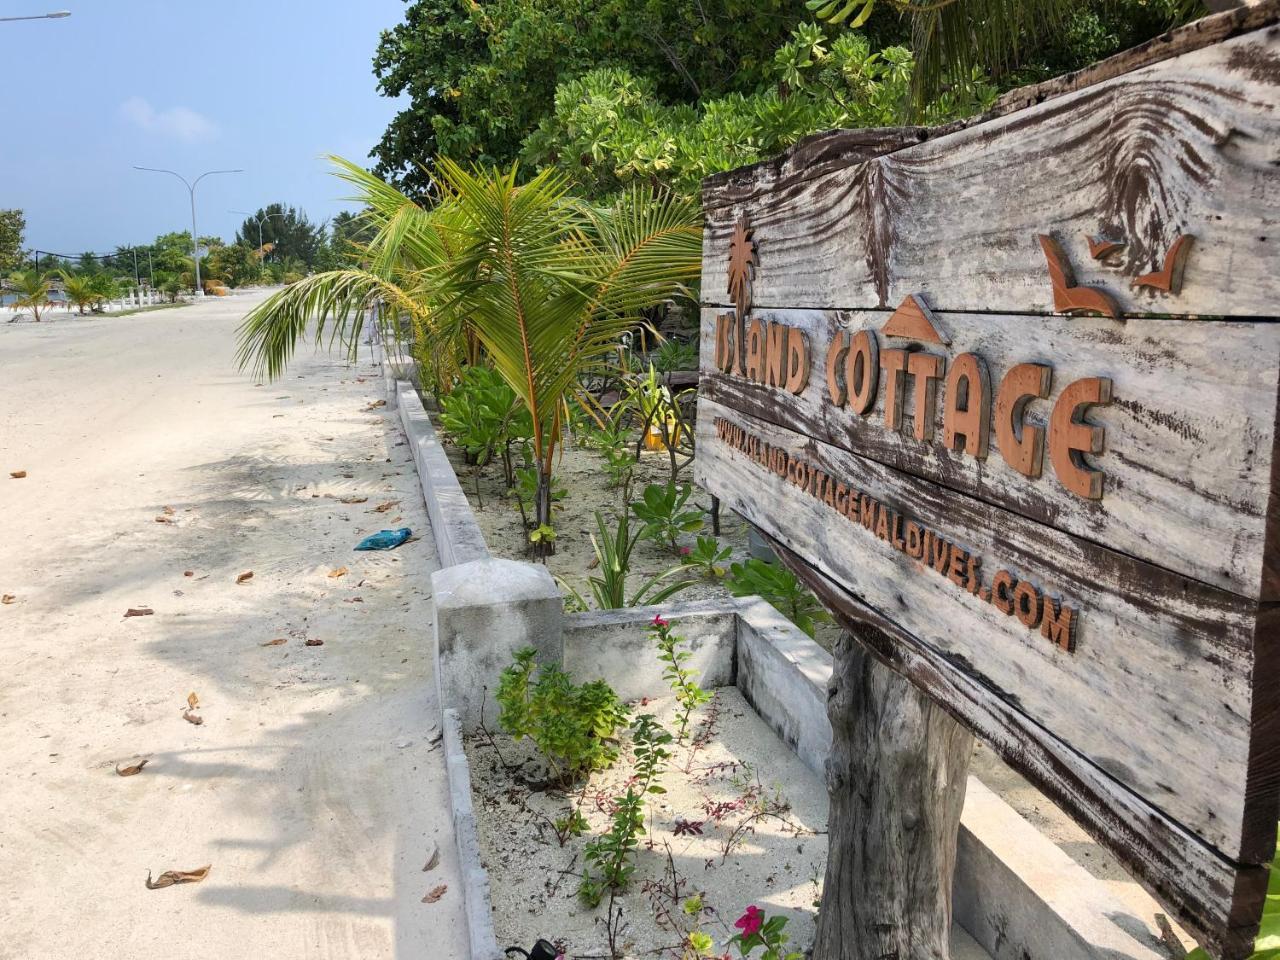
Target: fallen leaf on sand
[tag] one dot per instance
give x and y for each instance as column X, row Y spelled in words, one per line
column 314, row 642
column 167, row 511
column 133, row 768
column 8, row 598
column 139, row 612
column 435, row 893
column 354, row 600
column 171, row 877
column 433, row 858
column 384, row 507
column 278, row 641
column 163, row 519
column 190, row 717
column 17, row 474
column 193, row 701
column 353, row 500
column 340, row 572
column 247, row 575
column 188, row 573
column 376, row 404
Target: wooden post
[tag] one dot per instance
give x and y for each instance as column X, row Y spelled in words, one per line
column 897, row 777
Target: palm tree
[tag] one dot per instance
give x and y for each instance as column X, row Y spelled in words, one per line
column 32, row 289
column 79, row 290
column 545, row 284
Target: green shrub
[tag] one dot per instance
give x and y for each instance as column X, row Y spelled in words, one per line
column 573, row 726
column 778, row 585
column 662, row 511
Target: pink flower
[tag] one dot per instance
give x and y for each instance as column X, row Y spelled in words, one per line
column 750, row 922
column 685, row 551
column 659, row 622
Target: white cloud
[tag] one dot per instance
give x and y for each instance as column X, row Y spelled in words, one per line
column 180, row 122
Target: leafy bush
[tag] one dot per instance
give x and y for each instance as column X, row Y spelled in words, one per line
column 484, row 416
column 707, row 557
column 778, row 585
column 662, row 510
column 614, row 549
column 675, row 355
column 573, row 726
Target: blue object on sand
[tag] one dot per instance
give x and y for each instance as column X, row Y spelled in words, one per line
column 385, row 539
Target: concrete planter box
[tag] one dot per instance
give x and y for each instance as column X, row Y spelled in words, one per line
column 1016, row 893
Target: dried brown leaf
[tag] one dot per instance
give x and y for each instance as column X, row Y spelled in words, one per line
column 163, row 519
column 247, row 575
column 8, row 598
column 314, row 642
column 435, row 893
column 433, row 858
column 354, row 500
column 133, row 768
column 168, row 511
column 376, row 404
column 17, row 474
column 188, row 573
column 384, row 507
column 340, row 572
column 193, row 701
column 139, row 612
column 278, row 641
column 171, row 877
column 190, row 717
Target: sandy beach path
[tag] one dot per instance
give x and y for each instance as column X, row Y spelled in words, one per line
column 311, row 787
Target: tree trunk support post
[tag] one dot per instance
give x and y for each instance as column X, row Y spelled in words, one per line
column 896, row 776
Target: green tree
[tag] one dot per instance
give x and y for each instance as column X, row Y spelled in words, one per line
column 80, row 290
column 31, row 289
column 234, row 264
column 480, row 77
column 13, row 225
column 287, row 229
column 544, row 284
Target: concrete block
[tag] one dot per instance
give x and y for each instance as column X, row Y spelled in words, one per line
column 617, row 647
column 486, row 610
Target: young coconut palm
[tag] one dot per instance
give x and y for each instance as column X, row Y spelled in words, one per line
column 543, row 283
column 32, row 291
column 80, row 291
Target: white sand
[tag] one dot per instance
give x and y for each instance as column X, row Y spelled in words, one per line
column 311, row 787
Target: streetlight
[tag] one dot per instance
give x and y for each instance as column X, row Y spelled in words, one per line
column 56, row 15
column 255, row 217
column 191, row 189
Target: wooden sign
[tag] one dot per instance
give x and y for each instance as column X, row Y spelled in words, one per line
column 1009, row 392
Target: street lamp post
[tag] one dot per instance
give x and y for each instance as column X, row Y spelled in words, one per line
column 258, row 220
column 191, row 189
column 56, row 15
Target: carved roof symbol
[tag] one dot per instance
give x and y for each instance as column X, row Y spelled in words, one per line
column 742, row 266
column 914, row 320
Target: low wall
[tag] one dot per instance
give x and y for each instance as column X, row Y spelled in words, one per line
column 1016, row 893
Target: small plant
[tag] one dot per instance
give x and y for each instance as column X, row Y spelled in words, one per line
column 708, row 557
column 613, row 549
column 683, row 682
column 573, row 726
column 526, row 491
column 613, row 440
column 662, row 510
column 697, row 945
column 611, row 858
column 760, row 930
column 675, row 355
column 780, row 587
column 484, row 416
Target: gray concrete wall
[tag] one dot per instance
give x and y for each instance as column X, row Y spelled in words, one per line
column 616, row 645
column 453, row 525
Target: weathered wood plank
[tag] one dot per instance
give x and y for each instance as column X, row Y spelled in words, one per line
column 836, row 149
column 1156, row 691
column 1190, row 432
column 1188, row 145
column 1215, row 899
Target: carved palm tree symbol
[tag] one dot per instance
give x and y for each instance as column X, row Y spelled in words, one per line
column 742, row 271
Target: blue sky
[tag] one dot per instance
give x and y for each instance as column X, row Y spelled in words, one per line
column 192, row 85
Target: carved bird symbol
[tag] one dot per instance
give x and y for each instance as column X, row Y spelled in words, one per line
column 1067, row 297
column 1169, row 277
column 1100, row 248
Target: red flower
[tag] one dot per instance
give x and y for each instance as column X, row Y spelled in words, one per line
column 750, row 922
column 659, row 622
column 685, row 551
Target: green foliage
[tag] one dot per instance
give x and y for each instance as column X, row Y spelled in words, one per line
column 610, row 858
column 484, row 417
column 480, row 78
column 79, row 291
column 13, row 224
column 760, row 930
column 31, row 291
column 707, row 557
column 1267, row 944
column 235, row 265
column 780, row 587
column 662, row 511
column 674, row 355
column 292, row 236
column 573, row 726
column 683, row 682
column 613, row 550
column 613, row 440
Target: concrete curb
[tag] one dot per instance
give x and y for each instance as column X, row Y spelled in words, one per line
column 481, row 937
